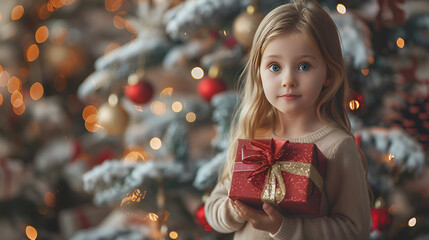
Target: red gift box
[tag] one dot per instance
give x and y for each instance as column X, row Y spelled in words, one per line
column 289, row 175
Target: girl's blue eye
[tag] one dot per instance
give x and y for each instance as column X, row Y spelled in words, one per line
column 275, row 68
column 304, row 67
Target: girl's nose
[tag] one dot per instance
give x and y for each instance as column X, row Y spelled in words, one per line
column 288, row 81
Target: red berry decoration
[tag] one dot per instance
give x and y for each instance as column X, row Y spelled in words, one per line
column 208, row 87
column 139, row 93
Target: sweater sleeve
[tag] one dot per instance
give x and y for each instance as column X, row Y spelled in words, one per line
column 220, row 213
column 347, row 193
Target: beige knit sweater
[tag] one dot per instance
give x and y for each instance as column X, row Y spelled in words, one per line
column 345, row 208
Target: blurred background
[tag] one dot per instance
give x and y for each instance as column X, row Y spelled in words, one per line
column 114, row 114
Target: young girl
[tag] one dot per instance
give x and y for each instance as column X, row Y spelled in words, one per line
column 295, row 88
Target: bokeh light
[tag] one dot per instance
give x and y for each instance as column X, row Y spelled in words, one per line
column 16, row 99
column 36, row 91
column 167, row 91
column 158, row 108
column 365, row 72
column 42, row 34
column 1, row 99
column 412, row 222
column 197, row 73
column 113, row 5
column 155, row 143
column 4, row 78
column 88, row 111
column 191, row 117
column 400, row 42
column 60, row 83
column 91, row 123
column 354, row 105
column 173, row 235
column 341, row 8
column 17, row 12
column 14, row 84
column 50, row 199
column 32, row 52
column 177, row 106
column 20, row 110
column 31, row 232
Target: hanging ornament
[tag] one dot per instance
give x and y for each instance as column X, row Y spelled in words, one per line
column 245, row 25
column 211, row 85
column 138, row 90
column 112, row 117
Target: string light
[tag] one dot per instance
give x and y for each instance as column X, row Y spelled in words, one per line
column 167, row 91
column 412, row 222
column 158, row 108
column 32, row 53
column 36, row 91
column 197, row 73
column 177, row 106
column 400, row 42
column 17, row 12
column 31, row 232
column 1, row 99
column 155, row 143
column 20, row 110
column 365, row 72
column 354, row 105
column 341, row 8
column 173, row 235
column 88, row 111
column 50, row 199
column 113, row 5
column 191, row 117
column 14, row 84
column 42, row 34
column 153, row 217
column 16, row 99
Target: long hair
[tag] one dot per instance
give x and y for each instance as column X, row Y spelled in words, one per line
column 255, row 112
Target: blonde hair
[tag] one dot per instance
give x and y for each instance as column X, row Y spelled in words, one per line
column 255, row 112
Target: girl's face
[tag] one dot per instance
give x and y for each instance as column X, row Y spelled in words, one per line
column 293, row 73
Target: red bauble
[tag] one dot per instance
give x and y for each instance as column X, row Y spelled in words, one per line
column 381, row 219
column 208, row 87
column 139, row 93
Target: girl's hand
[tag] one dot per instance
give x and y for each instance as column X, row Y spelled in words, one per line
column 268, row 220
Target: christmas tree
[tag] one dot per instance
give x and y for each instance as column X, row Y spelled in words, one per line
column 116, row 113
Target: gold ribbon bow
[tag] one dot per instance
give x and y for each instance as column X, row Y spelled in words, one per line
column 269, row 154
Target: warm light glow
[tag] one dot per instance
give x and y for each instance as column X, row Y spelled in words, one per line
column 391, row 157
column 44, row 13
column 17, row 12
column 133, row 79
column 50, row 7
column 32, row 52
column 250, row 9
column 1, row 99
column 173, row 235
column 14, row 84
column 400, row 42
column 412, row 222
column 341, row 9
column 153, row 217
column 354, row 105
column 113, row 99
column 60, row 83
column 191, row 117
column 177, row 106
column 50, row 199
column 167, row 91
column 56, row 3
column 4, row 78
column 135, row 154
column 68, row 2
column 158, row 108
column 88, row 111
column 371, row 59
column 91, row 123
column 42, row 34
column 197, row 73
column 36, row 91
column 20, row 110
column 135, row 196
column 155, row 143
column 365, row 71
column 113, row 5
column 111, row 47
column 31, row 232
column 119, row 22
column 16, row 99
column 1, row 69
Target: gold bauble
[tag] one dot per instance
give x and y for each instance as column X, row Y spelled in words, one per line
column 244, row 28
column 113, row 119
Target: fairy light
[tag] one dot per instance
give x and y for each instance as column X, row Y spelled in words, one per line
column 400, row 42
column 177, row 106
column 119, row 22
column 191, row 117
column 42, row 34
column 31, row 232
column 20, row 110
column 113, row 99
column 16, row 99
column 412, row 222
column 153, row 217
column 1, row 99
column 197, row 73
column 173, row 235
column 155, row 143
column 17, row 12
column 4, row 78
column 14, row 84
column 91, row 123
column 36, row 91
column 44, row 12
column 391, row 157
column 250, row 9
column 365, row 72
column 158, row 108
column 113, row 5
column 135, row 196
column 341, row 8
column 88, row 111
column 32, row 53
column 354, row 105
column 167, row 91
column 50, row 199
